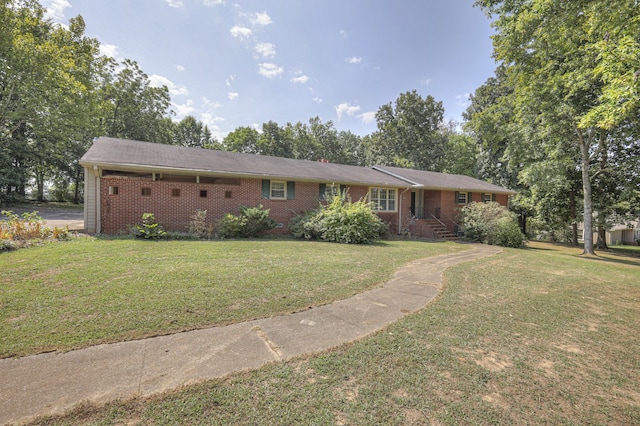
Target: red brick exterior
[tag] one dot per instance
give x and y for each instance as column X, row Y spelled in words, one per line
column 121, row 211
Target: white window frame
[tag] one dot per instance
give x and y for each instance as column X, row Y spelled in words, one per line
column 376, row 200
column 274, row 184
column 487, row 198
column 466, row 198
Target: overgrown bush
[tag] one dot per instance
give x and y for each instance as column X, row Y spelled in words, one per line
column 250, row 223
column 149, row 229
column 198, row 226
column 341, row 221
column 22, row 231
column 7, row 245
column 491, row 223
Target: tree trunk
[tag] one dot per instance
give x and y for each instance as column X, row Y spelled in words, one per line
column 586, row 188
column 601, row 243
column 76, row 192
column 574, row 219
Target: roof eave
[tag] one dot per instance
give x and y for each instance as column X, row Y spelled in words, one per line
column 208, row 172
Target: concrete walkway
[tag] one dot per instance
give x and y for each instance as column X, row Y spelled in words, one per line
column 54, row 382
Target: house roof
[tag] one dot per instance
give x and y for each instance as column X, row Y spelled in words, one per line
column 123, row 154
column 435, row 180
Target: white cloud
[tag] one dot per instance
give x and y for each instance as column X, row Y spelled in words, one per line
column 229, row 80
column 270, row 70
column 367, row 117
column 240, row 32
column 267, row 50
column 317, row 100
column 55, row 9
column 174, row 90
column 212, row 2
column 261, row 18
column 211, row 121
column 211, row 104
column 353, row 60
column 426, row 81
column 346, row 108
column 343, row 33
column 182, row 110
column 463, row 100
column 180, row 68
column 109, row 50
column 301, row 79
column 175, row 3
column 233, row 96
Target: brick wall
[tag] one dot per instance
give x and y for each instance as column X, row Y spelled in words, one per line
column 119, row 212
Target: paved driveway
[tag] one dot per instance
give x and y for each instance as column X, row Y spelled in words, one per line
column 61, row 218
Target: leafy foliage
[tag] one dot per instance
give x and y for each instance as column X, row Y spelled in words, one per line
column 341, row 221
column 198, row 226
column 491, row 223
column 409, row 132
column 250, row 223
column 149, row 229
column 21, row 231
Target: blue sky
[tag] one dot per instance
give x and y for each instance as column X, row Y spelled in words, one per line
column 242, row 63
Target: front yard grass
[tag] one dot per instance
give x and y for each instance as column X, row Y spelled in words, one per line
column 90, row 291
column 535, row 336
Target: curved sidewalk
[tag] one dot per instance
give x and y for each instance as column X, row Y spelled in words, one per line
column 54, row 382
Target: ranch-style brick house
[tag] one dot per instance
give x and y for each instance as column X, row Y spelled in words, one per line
column 126, row 178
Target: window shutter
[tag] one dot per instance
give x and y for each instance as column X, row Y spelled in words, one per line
column 469, row 197
column 457, row 195
column 493, row 197
column 291, row 190
column 266, row 188
column 323, row 191
column 342, row 189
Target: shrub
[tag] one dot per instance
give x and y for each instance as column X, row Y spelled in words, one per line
column 257, row 221
column 7, row 245
column 341, row 221
column 250, row 223
column 22, row 231
column 491, row 223
column 198, row 226
column 149, row 229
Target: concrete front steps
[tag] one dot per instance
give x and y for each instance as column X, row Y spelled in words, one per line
column 432, row 229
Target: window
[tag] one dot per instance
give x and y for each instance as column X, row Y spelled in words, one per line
column 278, row 190
column 113, row 190
column 146, row 192
column 463, row 197
column 227, row 194
column 175, row 192
column 383, row 198
column 203, row 193
column 327, row 191
column 487, row 198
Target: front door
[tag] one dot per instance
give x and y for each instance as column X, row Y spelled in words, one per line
column 413, row 203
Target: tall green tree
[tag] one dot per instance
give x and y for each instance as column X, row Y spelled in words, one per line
column 192, row 133
column 409, row 132
column 135, row 109
column 274, row 141
column 46, row 97
column 242, row 139
column 572, row 65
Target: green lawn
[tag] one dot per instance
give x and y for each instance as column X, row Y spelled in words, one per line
column 88, row 291
column 535, row 336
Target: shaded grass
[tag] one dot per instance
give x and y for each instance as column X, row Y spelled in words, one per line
column 90, row 291
column 537, row 336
